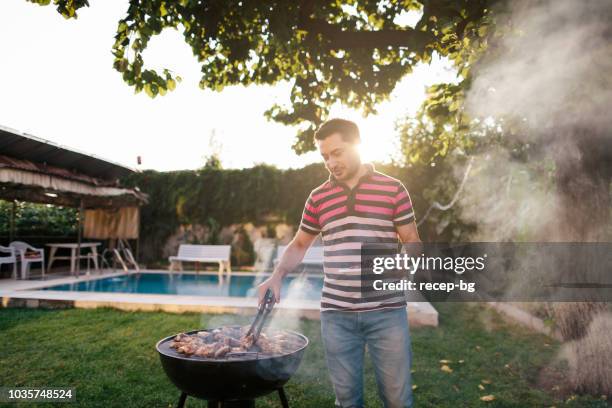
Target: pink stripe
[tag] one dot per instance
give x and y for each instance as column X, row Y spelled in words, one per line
column 311, row 208
column 373, row 209
column 403, row 207
column 324, row 194
column 373, row 197
column 332, row 202
column 378, row 187
column 402, row 194
column 337, row 211
column 309, row 218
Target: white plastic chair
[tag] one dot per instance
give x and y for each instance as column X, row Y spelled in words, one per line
column 11, row 258
column 21, row 248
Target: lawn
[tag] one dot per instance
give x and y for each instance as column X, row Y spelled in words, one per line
column 109, row 357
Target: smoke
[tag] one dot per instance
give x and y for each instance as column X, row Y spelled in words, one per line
column 552, row 66
column 549, row 70
column 506, row 199
column 289, row 317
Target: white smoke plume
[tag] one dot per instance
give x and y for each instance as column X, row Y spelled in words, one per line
column 550, row 70
column 552, row 66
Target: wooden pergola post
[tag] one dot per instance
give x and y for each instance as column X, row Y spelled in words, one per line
column 78, row 254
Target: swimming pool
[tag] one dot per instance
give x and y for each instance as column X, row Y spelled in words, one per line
column 303, row 288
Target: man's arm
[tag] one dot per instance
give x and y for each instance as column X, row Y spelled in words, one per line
column 408, row 233
column 411, row 242
column 291, row 258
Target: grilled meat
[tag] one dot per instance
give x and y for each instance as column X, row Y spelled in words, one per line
column 220, row 342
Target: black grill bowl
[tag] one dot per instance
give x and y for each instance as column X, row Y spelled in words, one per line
column 231, row 378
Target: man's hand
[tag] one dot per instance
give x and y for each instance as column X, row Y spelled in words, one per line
column 273, row 282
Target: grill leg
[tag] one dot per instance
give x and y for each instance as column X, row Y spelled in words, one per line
column 283, row 397
column 181, row 402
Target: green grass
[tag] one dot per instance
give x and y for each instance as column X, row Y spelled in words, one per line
column 109, row 357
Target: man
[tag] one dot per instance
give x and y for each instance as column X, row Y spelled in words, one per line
column 356, row 205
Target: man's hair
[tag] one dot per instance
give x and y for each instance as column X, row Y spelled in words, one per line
column 347, row 129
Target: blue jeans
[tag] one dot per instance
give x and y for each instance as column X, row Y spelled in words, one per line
column 386, row 334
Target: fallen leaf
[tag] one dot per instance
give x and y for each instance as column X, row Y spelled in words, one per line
column 445, row 361
column 461, row 361
column 486, row 381
column 480, row 387
column 487, row 398
column 477, row 347
column 414, row 386
column 446, row 369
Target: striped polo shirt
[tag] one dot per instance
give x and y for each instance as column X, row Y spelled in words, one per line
column 346, row 219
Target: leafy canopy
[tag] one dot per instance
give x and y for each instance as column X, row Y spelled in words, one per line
column 353, row 51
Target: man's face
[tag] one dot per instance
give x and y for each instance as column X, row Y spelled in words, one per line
column 341, row 158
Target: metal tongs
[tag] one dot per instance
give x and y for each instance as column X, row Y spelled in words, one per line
column 262, row 314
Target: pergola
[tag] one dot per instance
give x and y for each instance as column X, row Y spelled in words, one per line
column 40, row 171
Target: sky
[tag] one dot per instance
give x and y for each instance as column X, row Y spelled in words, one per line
column 58, row 84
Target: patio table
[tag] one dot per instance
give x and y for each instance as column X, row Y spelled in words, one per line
column 92, row 246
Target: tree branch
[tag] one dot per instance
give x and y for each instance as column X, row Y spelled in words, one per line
column 344, row 39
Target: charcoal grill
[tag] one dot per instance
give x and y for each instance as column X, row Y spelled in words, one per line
column 235, row 380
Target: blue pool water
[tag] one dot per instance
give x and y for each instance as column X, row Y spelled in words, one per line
column 308, row 288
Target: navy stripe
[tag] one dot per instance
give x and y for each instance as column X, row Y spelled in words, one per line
column 341, row 276
column 363, row 240
column 340, row 252
column 308, row 230
column 405, row 221
column 359, row 226
column 377, row 192
column 332, row 207
column 311, row 224
column 345, row 277
column 367, row 299
column 404, row 212
column 331, row 264
column 310, row 213
column 375, row 203
column 329, row 197
column 403, row 201
column 363, row 288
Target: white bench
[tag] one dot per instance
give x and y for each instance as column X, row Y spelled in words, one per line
column 313, row 256
column 203, row 254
